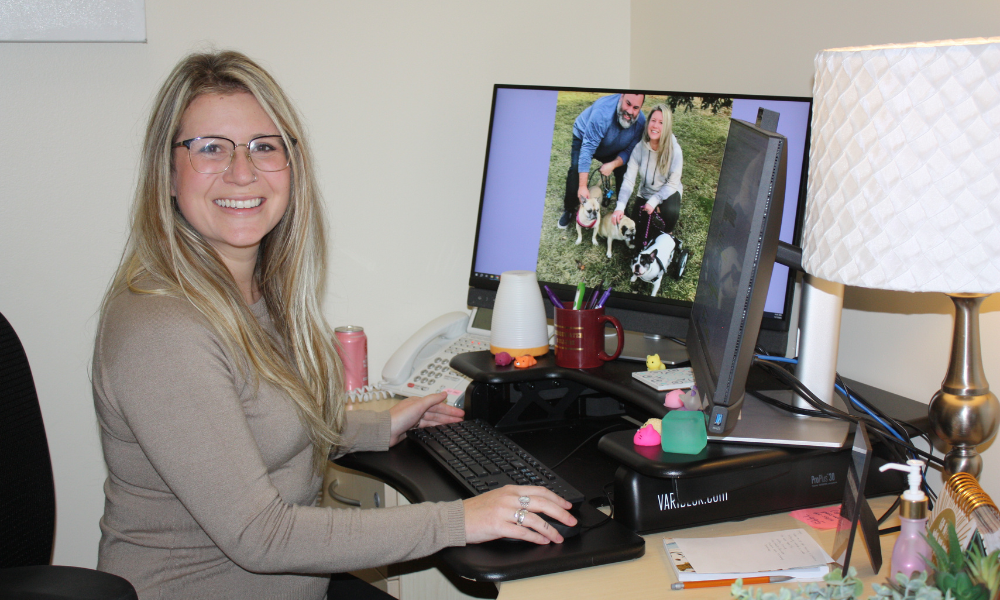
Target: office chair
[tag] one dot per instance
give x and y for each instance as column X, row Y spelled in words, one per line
column 27, row 496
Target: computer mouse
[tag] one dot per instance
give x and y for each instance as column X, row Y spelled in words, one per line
column 564, row 530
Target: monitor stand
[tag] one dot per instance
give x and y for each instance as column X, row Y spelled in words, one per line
column 761, row 423
column 640, row 345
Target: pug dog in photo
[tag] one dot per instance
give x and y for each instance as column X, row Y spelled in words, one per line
column 589, row 213
column 624, row 231
column 651, row 264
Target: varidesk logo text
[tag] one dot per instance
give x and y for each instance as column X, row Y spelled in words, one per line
column 669, row 502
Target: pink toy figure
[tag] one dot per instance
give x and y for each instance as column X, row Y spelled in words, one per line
column 673, row 400
column 646, row 436
column 504, row 359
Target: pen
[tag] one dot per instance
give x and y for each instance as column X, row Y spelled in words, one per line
column 553, row 298
column 597, row 295
column 578, row 299
column 604, row 298
column 591, row 300
column 683, row 585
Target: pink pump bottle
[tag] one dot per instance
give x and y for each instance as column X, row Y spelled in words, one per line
column 911, row 548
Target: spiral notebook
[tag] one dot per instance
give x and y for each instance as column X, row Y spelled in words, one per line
column 964, row 504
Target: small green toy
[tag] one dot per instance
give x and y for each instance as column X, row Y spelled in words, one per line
column 683, row 432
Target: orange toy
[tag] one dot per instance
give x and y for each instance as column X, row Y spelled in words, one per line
column 523, row 362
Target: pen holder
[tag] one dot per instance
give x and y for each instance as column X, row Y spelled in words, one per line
column 580, row 338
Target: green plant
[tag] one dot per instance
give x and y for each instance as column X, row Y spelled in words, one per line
column 905, row 588
column 958, row 575
column 835, row 586
column 952, row 574
column 984, row 569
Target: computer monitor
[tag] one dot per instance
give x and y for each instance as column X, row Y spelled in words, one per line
column 524, row 186
column 736, row 273
column 730, row 302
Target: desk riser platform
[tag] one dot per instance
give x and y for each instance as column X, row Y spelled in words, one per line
column 649, row 504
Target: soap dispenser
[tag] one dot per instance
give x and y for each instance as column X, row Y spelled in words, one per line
column 911, row 547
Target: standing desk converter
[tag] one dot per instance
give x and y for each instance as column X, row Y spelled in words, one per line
column 549, row 411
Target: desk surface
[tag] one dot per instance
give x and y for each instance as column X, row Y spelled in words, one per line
column 650, row 576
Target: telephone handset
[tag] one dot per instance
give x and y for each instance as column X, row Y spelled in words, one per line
column 420, row 366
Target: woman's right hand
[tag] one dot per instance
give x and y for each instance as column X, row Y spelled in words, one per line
column 616, row 216
column 493, row 515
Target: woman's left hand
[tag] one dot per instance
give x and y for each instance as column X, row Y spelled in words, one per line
column 421, row 412
column 648, row 208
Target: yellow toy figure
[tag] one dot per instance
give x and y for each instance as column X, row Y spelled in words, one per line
column 653, row 363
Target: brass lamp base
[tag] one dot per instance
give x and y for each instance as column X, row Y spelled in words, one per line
column 964, row 412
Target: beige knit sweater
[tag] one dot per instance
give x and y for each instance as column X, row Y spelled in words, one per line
column 210, row 490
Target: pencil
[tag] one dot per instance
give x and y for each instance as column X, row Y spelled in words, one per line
column 681, row 585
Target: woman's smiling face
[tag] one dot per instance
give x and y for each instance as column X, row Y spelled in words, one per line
column 234, row 209
column 655, row 126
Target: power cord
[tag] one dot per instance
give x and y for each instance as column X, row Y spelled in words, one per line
column 769, row 365
column 891, row 432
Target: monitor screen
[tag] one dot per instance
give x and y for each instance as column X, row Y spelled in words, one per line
column 537, row 133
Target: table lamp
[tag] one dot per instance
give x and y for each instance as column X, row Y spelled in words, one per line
column 904, row 194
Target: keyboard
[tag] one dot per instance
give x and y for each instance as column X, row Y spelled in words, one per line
column 481, row 458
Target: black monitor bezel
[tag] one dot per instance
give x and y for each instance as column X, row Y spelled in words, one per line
column 662, row 307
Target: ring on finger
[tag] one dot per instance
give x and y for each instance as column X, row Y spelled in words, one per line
column 519, row 516
column 524, row 500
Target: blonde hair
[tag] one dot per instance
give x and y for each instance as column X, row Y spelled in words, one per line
column 166, row 255
column 665, row 151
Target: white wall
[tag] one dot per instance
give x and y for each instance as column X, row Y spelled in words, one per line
column 897, row 341
column 396, row 97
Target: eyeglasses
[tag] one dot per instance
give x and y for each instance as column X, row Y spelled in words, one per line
column 212, row 155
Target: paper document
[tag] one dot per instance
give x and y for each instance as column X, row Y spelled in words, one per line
column 753, row 553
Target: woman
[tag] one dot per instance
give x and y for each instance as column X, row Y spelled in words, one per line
column 216, row 382
column 658, row 158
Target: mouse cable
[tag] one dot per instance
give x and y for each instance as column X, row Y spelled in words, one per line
column 582, row 444
column 608, row 517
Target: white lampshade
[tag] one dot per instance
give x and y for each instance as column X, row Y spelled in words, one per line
column 518, row 325
column 904, row 168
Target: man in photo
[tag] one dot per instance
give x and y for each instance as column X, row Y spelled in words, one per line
column 607, row 130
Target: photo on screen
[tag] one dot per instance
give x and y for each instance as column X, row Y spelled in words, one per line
column 524, row 193
column 700, row 126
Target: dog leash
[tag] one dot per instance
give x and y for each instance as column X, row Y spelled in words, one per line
column 649, row 221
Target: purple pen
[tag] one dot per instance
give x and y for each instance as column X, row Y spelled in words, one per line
column 604, row 298
column 552, row 297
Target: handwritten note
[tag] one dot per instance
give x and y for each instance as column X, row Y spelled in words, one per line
column 819, row 518
column 788, row 549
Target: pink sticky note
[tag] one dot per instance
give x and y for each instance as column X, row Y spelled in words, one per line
column 819, row 518
column 452, row 392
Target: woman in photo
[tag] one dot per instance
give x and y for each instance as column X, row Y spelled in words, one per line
column 217, row 385
column 657, row 160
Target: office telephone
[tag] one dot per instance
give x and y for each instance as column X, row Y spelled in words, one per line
column 420, row 366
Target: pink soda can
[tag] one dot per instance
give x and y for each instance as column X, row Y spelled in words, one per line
column 354, row 353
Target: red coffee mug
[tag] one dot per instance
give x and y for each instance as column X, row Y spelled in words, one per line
column 580, row 338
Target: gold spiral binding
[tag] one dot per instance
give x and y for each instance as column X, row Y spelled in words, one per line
column 969, row 495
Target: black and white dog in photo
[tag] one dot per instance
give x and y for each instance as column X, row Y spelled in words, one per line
column 663, row 256
column 624, row 231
